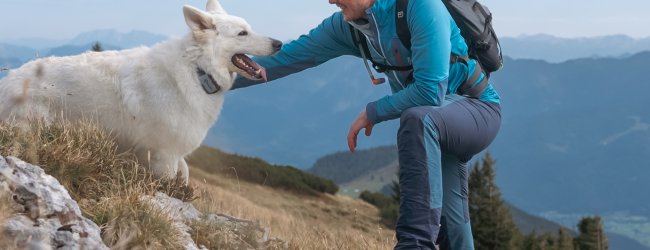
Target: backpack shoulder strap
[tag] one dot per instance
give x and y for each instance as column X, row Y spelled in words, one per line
column 401, row 23
column 360, row 41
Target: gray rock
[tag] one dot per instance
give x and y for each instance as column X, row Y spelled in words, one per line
column 183, row 213
column 50, row 218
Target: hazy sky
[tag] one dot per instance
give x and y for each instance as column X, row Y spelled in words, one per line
column 286, row 19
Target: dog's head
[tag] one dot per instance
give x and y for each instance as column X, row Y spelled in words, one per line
column 227, row 40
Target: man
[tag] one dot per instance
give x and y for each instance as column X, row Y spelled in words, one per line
column 440, row 128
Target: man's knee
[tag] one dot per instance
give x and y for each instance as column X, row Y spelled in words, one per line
column 413, row 122
column 414, row 115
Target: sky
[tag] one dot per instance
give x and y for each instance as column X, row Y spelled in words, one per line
column 287, row 19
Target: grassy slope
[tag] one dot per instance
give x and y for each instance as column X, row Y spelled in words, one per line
column 305, row 222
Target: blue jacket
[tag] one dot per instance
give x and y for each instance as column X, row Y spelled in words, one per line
column 434, row 37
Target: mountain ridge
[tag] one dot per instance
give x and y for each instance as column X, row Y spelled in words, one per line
column 563, row 49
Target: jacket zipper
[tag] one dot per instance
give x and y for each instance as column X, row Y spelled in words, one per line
column 383, row 54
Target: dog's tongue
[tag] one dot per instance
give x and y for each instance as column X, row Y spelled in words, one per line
column 249, row 66
column 263, row 73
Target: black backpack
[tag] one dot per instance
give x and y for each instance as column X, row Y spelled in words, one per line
column 475, row 23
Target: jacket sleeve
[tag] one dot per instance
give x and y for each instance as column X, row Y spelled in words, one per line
column 430, row 26
column 332, row 38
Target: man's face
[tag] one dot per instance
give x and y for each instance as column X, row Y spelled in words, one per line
column 352, row 9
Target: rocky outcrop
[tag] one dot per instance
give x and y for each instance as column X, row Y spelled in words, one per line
column 249, row 235
column 45, row 217
column 40, row 214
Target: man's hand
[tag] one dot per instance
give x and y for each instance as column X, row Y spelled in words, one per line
column 360, row 122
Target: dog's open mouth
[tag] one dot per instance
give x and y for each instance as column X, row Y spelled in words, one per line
column 250, row 68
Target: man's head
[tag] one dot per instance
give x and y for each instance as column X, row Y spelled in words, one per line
column 353, row 9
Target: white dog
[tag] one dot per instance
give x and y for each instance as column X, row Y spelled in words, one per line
column 159, row 101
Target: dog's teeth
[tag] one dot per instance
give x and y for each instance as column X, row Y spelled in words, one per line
column 258, row 71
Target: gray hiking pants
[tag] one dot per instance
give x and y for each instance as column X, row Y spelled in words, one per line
column 435, row 144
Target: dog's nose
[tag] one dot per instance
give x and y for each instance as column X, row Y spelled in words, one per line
column 277, row 45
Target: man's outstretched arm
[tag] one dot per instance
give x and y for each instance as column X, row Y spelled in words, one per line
column 329, row 40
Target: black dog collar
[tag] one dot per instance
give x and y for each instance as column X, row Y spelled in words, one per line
column 207, row 82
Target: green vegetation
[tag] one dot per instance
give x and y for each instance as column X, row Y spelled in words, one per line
column 388, row 206
column 548, row 241
column 493, row 226
column 257, row 171
column 97, row 47
column 492, row 223
column 592, row 234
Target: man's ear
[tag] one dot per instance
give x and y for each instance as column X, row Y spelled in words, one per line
column 196, row 19
column 214, row 7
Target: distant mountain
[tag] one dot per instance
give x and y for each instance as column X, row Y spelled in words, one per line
column 123, row 40
column 29, row 48
column 542, row 47
column 69, row 50
column 16, row 54
column 9, row 63
column 36, row 43
column 555, row 49
column 580, row 129
column 528, row 223
column 343, row 167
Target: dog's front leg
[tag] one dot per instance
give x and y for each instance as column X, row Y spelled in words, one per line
column 183, row 171
column 163, row 166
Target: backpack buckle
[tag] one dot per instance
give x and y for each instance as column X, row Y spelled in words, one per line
column 379, row 68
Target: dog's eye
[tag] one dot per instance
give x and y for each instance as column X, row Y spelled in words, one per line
column 243, row 33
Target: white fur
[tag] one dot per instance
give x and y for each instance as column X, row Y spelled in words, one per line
column 149, row 98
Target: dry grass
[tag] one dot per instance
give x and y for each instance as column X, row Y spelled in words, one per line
column 305, row 222
column 129, row 223
column 105, row 183
column 225, row 235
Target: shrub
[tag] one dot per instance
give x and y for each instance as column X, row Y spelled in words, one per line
column 388, row 206
column 257, row 171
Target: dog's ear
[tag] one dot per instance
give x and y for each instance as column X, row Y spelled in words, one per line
column 214, row 7
column 196, row 19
